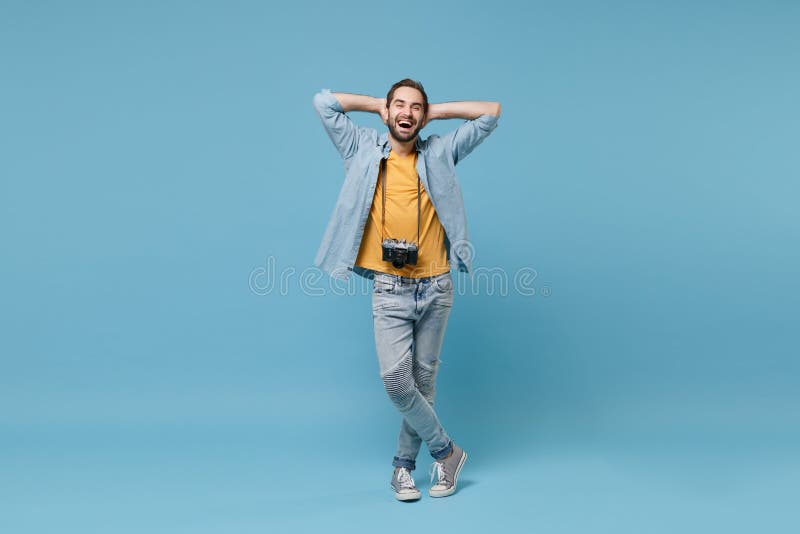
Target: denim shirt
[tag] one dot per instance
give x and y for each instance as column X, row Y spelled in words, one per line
column 362, row 150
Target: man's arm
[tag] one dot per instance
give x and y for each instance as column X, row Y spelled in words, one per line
column 352, row 102
column 332, row 109
column 481, row 120
column 469, row 109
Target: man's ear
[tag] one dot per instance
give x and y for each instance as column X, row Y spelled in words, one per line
column 385, row 115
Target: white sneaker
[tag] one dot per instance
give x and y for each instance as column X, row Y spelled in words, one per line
column 403, row 485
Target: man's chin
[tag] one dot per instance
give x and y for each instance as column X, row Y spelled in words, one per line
column 403, row 138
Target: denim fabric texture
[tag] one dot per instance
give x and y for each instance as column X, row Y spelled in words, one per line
column 410, row 317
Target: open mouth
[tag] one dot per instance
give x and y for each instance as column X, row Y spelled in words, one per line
column 404, row 124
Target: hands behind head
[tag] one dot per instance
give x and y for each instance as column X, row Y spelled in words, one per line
column 384, row 111
column 425, row 120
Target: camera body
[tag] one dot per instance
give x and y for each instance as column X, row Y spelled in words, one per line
column 399, row 252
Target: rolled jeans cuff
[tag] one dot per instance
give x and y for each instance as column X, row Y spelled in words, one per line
column 402, row 462
column 443, row 453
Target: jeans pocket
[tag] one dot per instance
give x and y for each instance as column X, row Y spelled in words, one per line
column 443, row 291
column 444, row 284
column 382, row 300
column 382, row 285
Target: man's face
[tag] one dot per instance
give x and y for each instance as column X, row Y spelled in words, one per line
column 406, row 114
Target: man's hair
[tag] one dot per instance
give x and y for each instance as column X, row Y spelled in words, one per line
column 408, row 82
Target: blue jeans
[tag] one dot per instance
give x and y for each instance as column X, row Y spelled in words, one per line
column 410, row 317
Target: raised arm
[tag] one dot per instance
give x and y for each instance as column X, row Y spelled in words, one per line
column 481, row 118
column 353, row 102
column 332, row 109
column 468, row 109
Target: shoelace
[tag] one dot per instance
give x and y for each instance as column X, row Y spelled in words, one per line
column 405, row 478
column 437, row 470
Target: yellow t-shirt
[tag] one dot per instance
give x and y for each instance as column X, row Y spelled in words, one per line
column 401, row 222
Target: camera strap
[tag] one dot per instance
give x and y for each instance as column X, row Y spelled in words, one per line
column 383, row 201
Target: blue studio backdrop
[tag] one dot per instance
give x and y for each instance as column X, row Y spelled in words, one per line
column 171, row 361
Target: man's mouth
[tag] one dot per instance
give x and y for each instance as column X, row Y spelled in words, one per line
column 405, row 124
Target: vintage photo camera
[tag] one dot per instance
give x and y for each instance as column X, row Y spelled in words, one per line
column 399, row 252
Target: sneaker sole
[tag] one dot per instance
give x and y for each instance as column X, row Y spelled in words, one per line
column 409, row 496
column 445, row 493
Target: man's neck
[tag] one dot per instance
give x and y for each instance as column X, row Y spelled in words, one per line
column 402, row 148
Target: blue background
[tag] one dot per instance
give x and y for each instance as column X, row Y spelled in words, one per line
column 155, row 155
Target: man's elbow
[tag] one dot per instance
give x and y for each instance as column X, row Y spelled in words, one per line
column 497, row 109
column 319, row 101
column 326, row 104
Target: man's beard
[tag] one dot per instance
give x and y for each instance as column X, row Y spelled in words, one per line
column 401, row 136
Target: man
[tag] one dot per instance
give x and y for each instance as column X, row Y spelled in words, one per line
column 400, row 221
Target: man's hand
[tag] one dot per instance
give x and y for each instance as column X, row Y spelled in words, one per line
column 383, row 111
column 428, row 117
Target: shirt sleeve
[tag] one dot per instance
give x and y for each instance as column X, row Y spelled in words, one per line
column 470, row 134
column 342, row 131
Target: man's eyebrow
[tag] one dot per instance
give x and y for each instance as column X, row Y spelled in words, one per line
column 403, row 102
